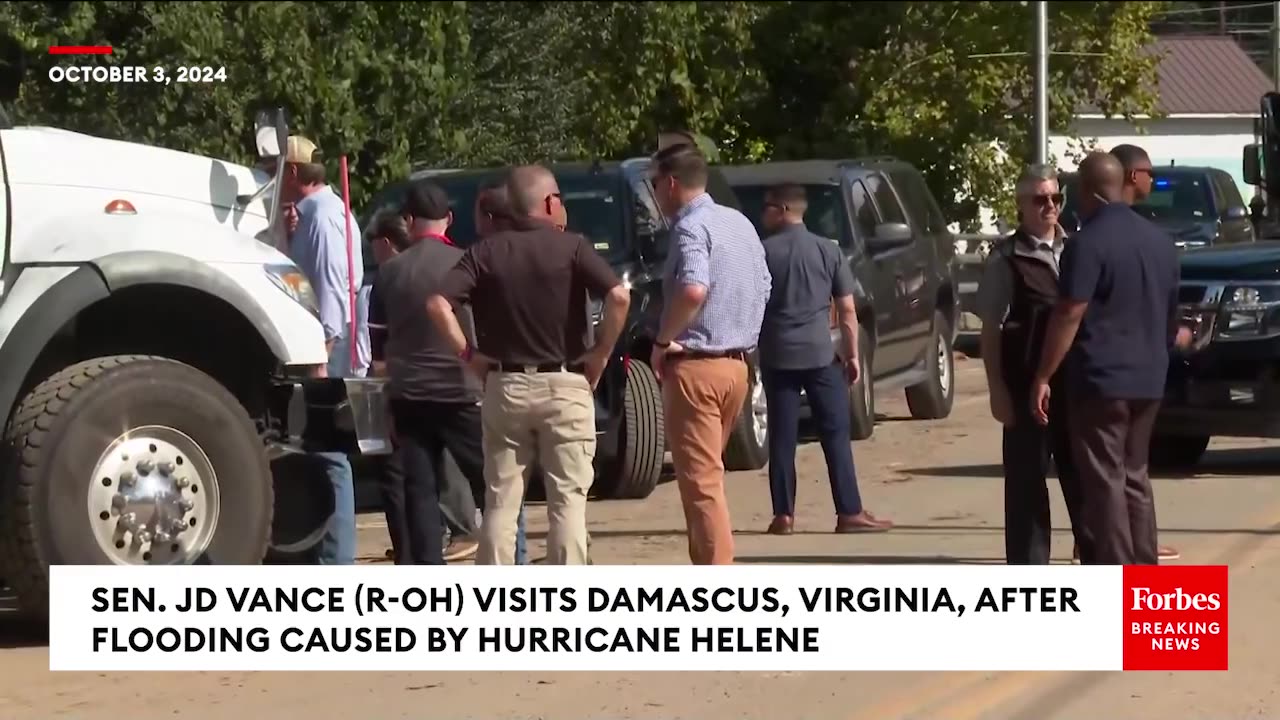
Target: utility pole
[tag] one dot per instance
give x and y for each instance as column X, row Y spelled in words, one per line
column 1275, row 46
column 1041, row 54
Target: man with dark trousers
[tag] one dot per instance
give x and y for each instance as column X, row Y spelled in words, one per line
column 809, row 273
column 1015, row 298
column 1116, row 314
column 1138, row 180
column 434, row 400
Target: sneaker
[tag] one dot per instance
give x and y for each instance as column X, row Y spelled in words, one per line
column 461, row 549
column 1167, row 553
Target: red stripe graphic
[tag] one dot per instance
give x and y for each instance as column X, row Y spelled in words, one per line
column 80, row 50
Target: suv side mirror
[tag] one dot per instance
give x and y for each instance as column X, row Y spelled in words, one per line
column 1252, row 164
column 890, row 236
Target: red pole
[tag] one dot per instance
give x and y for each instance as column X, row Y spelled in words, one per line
column 351, row 263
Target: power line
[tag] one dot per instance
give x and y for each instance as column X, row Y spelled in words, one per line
column 1190, row 11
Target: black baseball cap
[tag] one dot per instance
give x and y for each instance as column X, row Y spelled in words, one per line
column 426, row 200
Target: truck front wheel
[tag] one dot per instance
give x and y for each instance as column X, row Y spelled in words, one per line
column 129, row 460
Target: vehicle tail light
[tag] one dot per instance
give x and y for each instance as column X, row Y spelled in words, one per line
column 120, row 207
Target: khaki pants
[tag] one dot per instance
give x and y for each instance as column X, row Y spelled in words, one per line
column 703, row 398
column 545, row 420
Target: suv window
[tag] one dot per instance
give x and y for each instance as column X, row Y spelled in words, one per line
column 886, row 201
column 926, row 217
column 823, row 217
column 1227, row 191
column 592, row 201
column 864, row 210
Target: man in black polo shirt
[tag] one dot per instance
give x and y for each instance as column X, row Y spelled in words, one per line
column 1118, row 302
column 433, row 398
column 528, row 289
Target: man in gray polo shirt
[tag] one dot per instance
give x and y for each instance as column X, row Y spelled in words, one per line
column 796, row 353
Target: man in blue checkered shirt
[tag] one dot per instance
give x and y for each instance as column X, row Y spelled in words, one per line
column 716, row 287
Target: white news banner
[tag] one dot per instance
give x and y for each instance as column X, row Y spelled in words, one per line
column 588, row 618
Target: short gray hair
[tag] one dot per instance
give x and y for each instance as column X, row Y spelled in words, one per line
column 1034, row 175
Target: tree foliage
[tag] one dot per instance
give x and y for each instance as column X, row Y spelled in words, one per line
column 944, row 85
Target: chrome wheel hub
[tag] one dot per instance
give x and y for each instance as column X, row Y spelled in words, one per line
column 944, row 366
column 153, row 498
column 759, row 409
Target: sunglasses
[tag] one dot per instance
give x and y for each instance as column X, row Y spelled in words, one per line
column 1044, row 200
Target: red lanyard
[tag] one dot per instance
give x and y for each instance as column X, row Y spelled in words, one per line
column 435, row 236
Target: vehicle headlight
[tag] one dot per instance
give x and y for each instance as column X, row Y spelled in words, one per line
column 294, row 283
column 1249, row 312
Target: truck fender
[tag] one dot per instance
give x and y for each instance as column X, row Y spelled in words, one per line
column 149, row 267
column 40, row 321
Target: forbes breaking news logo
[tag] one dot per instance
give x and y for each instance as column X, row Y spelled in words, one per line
column 1175, row 617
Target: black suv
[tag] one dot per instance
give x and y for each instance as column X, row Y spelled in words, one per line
column 1197, row 206
column 612, row 205
column 1228, row 382
column 889, row 226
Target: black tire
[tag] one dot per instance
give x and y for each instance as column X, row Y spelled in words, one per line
column 634, row 473
column 62, row 428
column 303, row 516
column 862, row 399
column 1170, row 452
column 932, row 399
column 745, row 450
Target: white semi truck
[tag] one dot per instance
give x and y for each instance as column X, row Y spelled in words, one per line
column 155, row 350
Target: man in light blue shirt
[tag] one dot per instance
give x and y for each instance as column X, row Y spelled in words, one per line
column 319, row 248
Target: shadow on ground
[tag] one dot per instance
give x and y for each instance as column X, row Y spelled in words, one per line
column 866, row 560
column 1250, row 462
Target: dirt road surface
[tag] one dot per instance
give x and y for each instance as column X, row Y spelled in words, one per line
column 940, row 481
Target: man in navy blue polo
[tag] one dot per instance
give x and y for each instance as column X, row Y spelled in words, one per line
column 1118, row 303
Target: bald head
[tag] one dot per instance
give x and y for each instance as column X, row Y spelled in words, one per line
column 528, row 188
column 1101, row 181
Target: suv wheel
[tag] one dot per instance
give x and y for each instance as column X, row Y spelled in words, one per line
column 862, row 401
column 635, row 472
column 748, row 447
column 931, row 399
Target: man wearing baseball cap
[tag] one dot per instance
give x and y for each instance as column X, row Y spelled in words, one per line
column 319, row 247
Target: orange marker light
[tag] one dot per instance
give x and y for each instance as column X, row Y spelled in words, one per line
column 120, row 207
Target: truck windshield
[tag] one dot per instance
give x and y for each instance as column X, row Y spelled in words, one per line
column 823, row 217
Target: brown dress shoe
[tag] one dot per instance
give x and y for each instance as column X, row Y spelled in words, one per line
column 781, row 525
column 1167, row 553
column 862, row 522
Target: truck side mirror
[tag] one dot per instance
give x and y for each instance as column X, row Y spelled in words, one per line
column 271, row 133
column 1252, row 164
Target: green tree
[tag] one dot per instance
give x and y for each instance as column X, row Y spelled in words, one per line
column 378, row 91
column 945, row 85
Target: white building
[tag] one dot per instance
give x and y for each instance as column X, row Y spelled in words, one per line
column 1208, row 94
